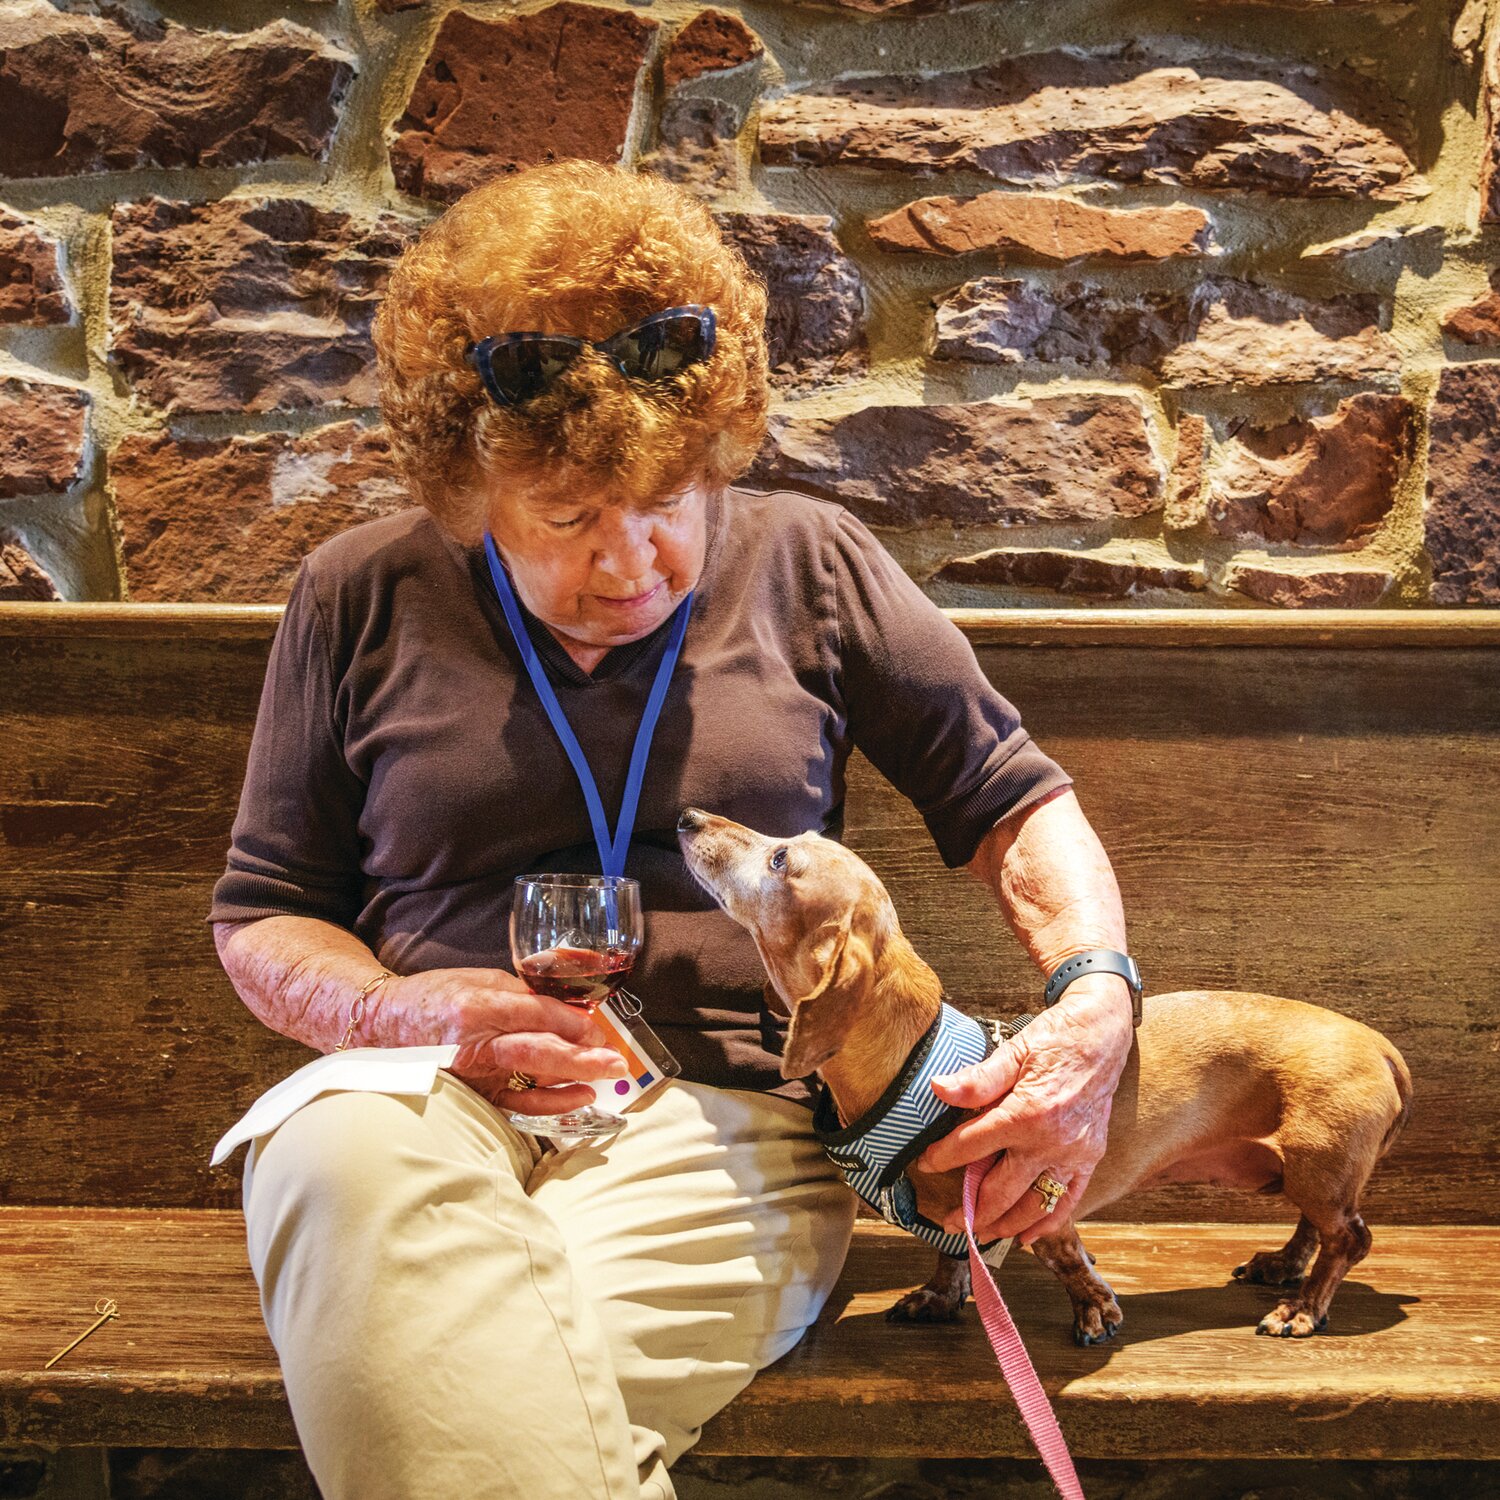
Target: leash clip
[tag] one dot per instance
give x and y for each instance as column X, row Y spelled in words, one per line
column 897, row 1203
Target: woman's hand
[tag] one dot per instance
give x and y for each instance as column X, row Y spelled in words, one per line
column 503, row 1027
column 1050, row 1089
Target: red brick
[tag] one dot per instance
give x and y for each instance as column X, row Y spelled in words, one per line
column 1323, row 588
column 22, row 578
column 228, row 519
column 1071, row 572
column 1477, row 323
column 1220, row 332
column 120, row 91
column 496, row 96
column 1185, row 503
column 1325, row 481
column 1054, row 458
column 1049, row 230
column 1005, row 320
column 1462, row 519
column 1222, row 123
column 248, row 304
column 815, row 318
column 714, row 41
column 42, row 428
column 710, row 80
column 31, row 283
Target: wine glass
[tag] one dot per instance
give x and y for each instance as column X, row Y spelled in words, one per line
column 575, row 937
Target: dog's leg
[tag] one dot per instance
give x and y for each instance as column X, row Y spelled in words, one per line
column 1325, row 1179
column 1346, row 1242
column 1286, row 1266
column 940, row 1301
column 1096, row 1314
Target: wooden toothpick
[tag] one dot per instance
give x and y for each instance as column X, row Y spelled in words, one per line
column 106, row 1307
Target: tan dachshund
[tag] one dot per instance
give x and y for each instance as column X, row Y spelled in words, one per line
column 1237, row 1090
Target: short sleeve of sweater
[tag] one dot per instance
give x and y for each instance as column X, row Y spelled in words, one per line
column 921, row 709
column 294, row 849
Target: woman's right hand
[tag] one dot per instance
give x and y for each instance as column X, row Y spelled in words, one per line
column 503, row 1027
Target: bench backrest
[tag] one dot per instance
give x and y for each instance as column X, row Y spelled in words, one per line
column 1300, row 805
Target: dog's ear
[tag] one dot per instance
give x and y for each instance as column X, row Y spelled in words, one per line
column 821, row 1019
column 777, row 998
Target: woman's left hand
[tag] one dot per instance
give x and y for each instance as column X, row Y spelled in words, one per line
column 1050, row 1089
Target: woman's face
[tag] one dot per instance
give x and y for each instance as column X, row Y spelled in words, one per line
column 598, row 571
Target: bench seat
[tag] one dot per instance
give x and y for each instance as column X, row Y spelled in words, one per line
column 1299, row 804
column 1409, row 1369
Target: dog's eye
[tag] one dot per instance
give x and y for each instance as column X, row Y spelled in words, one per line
column 778, row 858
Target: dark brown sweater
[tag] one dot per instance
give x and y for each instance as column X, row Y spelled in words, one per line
column 403, row 772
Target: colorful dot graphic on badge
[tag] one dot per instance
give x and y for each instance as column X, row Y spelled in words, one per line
column 622, row 1086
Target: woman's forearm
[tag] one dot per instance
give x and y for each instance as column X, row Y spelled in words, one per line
column 300, row 975
column 1053, row 880
column 1046, row 1094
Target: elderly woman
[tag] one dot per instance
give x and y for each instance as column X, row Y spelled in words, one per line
column 457, row 1309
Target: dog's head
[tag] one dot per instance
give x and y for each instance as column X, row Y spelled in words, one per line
column 818, row 915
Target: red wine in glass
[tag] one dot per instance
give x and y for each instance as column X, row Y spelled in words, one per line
column 579, row 976
column 574, row 938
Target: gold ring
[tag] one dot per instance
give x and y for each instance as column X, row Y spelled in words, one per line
column 520, row 1081
column 1050, row 1189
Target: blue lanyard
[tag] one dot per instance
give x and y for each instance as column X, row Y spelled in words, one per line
column 612, row 851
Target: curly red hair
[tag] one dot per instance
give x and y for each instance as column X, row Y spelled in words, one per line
column 581, row 248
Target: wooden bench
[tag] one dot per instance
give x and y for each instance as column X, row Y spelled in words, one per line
column 1301, row 804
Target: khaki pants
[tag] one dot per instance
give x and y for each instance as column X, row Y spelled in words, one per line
column 458, row 1313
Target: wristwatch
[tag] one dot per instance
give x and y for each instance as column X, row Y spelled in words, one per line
column 1097, row 961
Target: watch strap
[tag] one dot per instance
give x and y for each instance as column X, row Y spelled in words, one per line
column 1097, row 961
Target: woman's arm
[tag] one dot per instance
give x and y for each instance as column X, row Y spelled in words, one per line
column 300, row 976
column 1051, row 1087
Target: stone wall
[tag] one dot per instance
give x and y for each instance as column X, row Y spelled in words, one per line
column 1172, row 302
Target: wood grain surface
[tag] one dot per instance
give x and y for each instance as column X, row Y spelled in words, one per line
column 1291, row 807
column 1077, row 625
column 1408, row 1369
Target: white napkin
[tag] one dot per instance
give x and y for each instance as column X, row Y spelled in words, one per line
column 380, row 1070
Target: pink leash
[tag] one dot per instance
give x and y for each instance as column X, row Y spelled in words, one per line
column 1015, row 1363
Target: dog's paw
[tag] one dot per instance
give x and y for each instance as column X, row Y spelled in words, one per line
column 1291, row 1322
column 1271, row 1268
column 1096, row 1323
column 925, row 1306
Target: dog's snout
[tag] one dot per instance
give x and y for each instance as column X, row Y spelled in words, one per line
column 691, row 819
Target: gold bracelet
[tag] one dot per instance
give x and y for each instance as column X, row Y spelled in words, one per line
column 357, row 1010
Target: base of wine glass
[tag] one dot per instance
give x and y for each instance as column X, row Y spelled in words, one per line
column 586, row 1124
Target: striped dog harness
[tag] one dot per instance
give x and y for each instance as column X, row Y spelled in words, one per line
column 874, row 1152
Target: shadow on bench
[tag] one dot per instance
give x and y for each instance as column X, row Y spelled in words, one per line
column 1301, row 805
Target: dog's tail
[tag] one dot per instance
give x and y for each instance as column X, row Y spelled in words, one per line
column 1401, row 1075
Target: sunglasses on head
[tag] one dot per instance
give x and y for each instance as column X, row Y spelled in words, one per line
column 517, row 366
